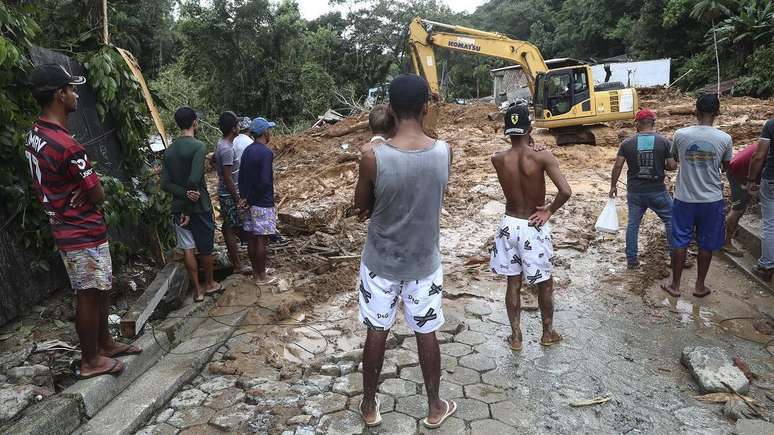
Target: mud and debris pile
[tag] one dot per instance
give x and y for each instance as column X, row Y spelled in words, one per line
column 316, row 172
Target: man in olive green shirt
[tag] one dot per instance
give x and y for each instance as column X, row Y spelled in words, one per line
column 183, row 176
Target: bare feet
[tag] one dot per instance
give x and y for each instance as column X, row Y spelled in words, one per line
column 102, row 366
column 702, row 291
column 550, row 338
column 515, row 343
column 671, row 289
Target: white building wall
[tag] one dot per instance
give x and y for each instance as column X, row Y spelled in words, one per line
column 638, row 74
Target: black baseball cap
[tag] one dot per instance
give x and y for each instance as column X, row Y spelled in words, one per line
column 708, row 103
column 517, row 120
column 52, row 76
column 409, row 90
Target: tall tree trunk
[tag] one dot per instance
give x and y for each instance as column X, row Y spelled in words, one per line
column 717, row 58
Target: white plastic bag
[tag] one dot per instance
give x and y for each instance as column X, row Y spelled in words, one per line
column 608, row 220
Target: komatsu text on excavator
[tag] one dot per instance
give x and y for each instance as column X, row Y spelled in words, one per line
column 562, row 97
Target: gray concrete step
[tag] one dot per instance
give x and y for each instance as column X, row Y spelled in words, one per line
column 748, row 239
column 140, row 400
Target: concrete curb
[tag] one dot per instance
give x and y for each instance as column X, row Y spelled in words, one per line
column 750, row 240
column 97, row 392
column 135, row 405
column 58, row 415
column 64, row 412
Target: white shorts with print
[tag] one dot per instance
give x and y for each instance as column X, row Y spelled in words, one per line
column 523, row 249
column 380, row 297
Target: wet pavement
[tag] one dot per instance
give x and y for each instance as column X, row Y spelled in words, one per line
column 297, row 372
column 621, row 343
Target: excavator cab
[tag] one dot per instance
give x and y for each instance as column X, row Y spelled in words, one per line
column 559, row 92
column 564, row 98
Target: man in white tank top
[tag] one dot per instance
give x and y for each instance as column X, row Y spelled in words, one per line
column 400, row 188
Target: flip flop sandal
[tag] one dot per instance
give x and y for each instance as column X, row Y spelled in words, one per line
column 212, row 292
column 549, row 343
column 666, row 289
column 76, row 366
column 702, row 295
column 269, row 281
column 199, row 300
column 378, row 419
column 514, row 348
column 246, row 270
column 451, row 408
column 128, row 350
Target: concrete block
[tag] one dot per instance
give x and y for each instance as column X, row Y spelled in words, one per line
column 711, row 367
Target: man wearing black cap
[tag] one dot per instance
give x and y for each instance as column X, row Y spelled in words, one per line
column 702, row 151
column 71, row 193
column 523, row 240
column 400, row 187
column 182, row 176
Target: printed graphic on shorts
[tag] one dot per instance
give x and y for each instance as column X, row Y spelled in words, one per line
column 379, row 299
column 526, row 251
column 89, row 268
column 422, row 320
column 262, row 221
column 372, row 326
column 366, row 294
column 504, row 233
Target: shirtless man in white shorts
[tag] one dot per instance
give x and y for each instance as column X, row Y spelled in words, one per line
column 523, row 245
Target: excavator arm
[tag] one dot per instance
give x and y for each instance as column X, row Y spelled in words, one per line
column 563, row 98
column 471, row 41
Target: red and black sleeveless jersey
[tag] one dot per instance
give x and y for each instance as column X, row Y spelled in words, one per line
column 59, row 166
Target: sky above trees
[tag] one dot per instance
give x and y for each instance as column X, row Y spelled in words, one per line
column 311, row 9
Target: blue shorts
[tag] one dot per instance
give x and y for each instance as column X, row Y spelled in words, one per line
column 708, row 219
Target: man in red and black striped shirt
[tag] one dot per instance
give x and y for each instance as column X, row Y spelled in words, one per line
column 71, row 193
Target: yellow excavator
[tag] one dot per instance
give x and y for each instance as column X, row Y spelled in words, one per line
column 564, row 99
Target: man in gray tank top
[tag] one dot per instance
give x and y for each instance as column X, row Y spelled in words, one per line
column 400, row 187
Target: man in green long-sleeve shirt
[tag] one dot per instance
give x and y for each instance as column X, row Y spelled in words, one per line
column 183, row 176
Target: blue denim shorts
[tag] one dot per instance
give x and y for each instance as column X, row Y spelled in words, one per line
column 706, row 219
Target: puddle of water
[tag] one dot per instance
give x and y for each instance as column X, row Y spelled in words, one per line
column 689, row 312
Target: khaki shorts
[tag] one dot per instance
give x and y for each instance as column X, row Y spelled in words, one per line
column 89, row 268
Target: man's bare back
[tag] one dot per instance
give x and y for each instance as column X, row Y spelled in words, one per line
column 521, row 172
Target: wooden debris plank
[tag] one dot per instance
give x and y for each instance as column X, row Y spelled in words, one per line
column 171, row 276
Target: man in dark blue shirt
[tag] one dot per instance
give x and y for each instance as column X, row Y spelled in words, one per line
column 256, row 186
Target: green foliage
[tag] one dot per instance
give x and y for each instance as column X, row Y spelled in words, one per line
column 759, row 80
column 174, row 88
column 21, row 210
column 136, row 202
